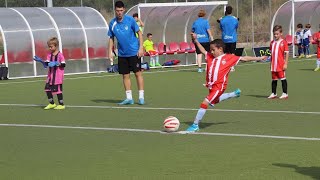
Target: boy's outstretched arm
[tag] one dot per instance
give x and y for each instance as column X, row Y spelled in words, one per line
column 196, row 42
column 251, row 58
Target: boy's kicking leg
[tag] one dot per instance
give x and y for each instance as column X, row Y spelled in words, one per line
column 233, row 94
column 201, row 112
column 215, row 98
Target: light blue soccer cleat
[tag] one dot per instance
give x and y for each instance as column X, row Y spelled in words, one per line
column 127, row 102
column 193, row 128
column 237, row 92
column 141, row 101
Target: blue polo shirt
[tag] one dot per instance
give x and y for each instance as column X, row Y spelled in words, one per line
column 200, row 27
column 229, row 26
column 124, row 31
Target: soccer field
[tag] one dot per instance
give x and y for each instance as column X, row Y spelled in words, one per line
column 250, row 137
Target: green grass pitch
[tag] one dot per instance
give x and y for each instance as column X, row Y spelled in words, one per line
column 57, row 150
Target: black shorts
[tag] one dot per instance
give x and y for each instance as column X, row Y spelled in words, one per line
column 230, row 48
column 53, row 88
column 205, row 45
column 127, row 64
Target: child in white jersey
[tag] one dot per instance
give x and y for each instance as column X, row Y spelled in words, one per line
column 306, row 40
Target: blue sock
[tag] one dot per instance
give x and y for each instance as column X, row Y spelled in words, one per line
column 225, row 96
column 199, row 116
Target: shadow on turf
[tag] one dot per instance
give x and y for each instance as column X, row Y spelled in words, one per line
column 205, row 124
column 106, row 100
column 257, row 96
column 306, row 70
column 312, row 171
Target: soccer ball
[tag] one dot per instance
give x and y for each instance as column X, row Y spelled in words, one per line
column 171, row 124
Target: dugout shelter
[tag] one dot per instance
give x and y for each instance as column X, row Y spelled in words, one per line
column 293, row 12
column 81, row 32
column 171, row 23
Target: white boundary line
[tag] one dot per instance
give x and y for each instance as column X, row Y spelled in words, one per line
column 168, row 108
column 157, row 131
column 152, row 72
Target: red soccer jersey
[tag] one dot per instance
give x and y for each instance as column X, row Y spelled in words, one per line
column 316, row 37
column 277, row 54
column 218, row 69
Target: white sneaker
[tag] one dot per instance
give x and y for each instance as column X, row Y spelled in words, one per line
column 284, row 96
column 272, row 96
column 232, row 69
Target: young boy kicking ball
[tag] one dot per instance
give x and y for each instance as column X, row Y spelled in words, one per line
column 218, row 68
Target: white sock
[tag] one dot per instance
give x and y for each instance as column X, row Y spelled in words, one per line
column 199, row 116
column 225, row 96
column 129, row 94
column 157, row 59
column 318, row 62
column 141, row 94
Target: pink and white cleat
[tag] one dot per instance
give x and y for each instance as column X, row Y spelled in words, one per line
column 272, row 96
column 284, row 96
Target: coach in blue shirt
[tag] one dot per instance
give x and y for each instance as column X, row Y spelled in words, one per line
column 202, row 29
column 229, row 26
column 130, row 50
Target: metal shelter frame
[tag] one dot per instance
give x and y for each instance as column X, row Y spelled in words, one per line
column 22, row 29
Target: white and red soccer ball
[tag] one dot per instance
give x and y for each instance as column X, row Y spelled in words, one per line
column 171, row 124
